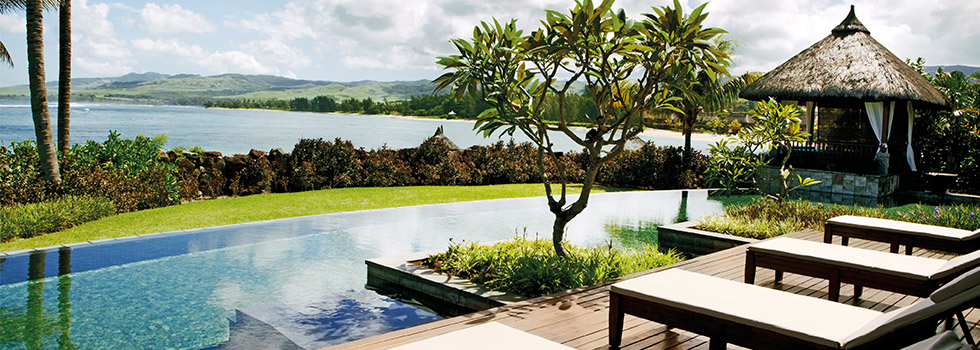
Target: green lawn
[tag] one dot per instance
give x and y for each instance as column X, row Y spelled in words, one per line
column 272, row 206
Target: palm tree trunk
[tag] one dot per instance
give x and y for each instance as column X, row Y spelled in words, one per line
column 64, row 77
column 39, row 95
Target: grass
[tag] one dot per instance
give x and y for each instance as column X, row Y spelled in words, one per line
column 763, row 218
column 529, row 267
column 228, row 211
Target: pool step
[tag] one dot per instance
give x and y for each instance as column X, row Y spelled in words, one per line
column 321, row 322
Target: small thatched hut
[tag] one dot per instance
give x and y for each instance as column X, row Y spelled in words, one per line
column 860, row 100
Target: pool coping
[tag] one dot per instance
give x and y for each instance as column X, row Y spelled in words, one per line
column 400, row 273
column 690, row 240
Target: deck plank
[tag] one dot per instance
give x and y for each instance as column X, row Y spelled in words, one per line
column 579, row 318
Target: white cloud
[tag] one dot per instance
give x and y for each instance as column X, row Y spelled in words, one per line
column 100, row 68
column 276, row 51
column 96, row 47
column 172, row 20
column 13, row 23
column 216, row 62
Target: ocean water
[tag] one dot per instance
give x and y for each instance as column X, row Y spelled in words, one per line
column 238, row 131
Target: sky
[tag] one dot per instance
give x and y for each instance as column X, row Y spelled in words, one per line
column 389, row 40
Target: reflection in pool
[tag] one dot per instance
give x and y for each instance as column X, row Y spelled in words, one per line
column 179, row 290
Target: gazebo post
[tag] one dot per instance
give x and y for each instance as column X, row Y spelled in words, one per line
column 810, row 120
column 884, row 123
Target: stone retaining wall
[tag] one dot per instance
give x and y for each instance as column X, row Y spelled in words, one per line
column 836, row 183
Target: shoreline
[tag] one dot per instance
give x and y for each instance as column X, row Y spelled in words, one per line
column 648, row 132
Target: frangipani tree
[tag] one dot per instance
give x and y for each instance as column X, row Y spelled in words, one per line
column 628, row 66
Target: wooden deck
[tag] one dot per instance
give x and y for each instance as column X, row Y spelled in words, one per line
column 579, row 318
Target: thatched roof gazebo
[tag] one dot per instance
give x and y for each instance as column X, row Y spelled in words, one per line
column 856, row 94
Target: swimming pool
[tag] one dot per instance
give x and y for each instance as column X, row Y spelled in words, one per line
column 301, row 278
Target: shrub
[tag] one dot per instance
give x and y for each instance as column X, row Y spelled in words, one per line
column 653, row 167
column 384, row 168
column 29, row 220
column 531, row 268
column 129, row 173
column 131, row 156
column 254, row 178
column 333, row 164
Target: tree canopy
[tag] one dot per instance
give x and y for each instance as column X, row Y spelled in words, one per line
column 628, row 66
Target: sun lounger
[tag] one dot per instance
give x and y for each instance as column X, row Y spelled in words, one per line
column 487, row 336
column 943, row 341
column 761, row 318
column 912, row 275
column 898, row 233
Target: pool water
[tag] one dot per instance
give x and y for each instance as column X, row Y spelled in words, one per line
column 301, row 279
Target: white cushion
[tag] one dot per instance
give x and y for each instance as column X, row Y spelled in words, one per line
column 487, row 336
column 811, row 319
column 910, row 228
column 957, row 286
column 959, row 264
column 906, row 266
column 923, row 309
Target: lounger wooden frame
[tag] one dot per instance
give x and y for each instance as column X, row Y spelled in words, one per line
column 838, row 275
column 896, row 239
column 722, row 332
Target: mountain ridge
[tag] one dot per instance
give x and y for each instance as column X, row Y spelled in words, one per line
column 192, row 89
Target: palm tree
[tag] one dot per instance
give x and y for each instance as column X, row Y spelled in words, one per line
column 47, row 155
column 709, row 93
column 64, row 77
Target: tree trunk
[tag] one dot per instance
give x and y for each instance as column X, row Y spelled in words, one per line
column 558, row 235
column 64, row 77
column 39, row 95
column 690, row 117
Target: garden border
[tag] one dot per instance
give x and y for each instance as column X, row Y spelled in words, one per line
column 445, row 294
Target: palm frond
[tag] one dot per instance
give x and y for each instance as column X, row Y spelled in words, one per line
column 5, row 56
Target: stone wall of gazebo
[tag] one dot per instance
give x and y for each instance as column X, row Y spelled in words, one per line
column 834, row 183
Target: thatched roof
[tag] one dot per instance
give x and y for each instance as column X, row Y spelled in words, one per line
column 847, row 65
column 440, row 136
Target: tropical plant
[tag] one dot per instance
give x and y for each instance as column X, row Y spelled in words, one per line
column 735, row 164
column 5, row 56
column 47, row 155
column 948, row 140
column 705, row 93
column 628, row 66
column 778, row 125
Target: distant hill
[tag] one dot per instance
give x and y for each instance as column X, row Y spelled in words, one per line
column 190, row 89
column 965, row 69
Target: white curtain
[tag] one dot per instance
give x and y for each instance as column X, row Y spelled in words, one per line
column 891, row 120
column 909, row 154
column 875, row 111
